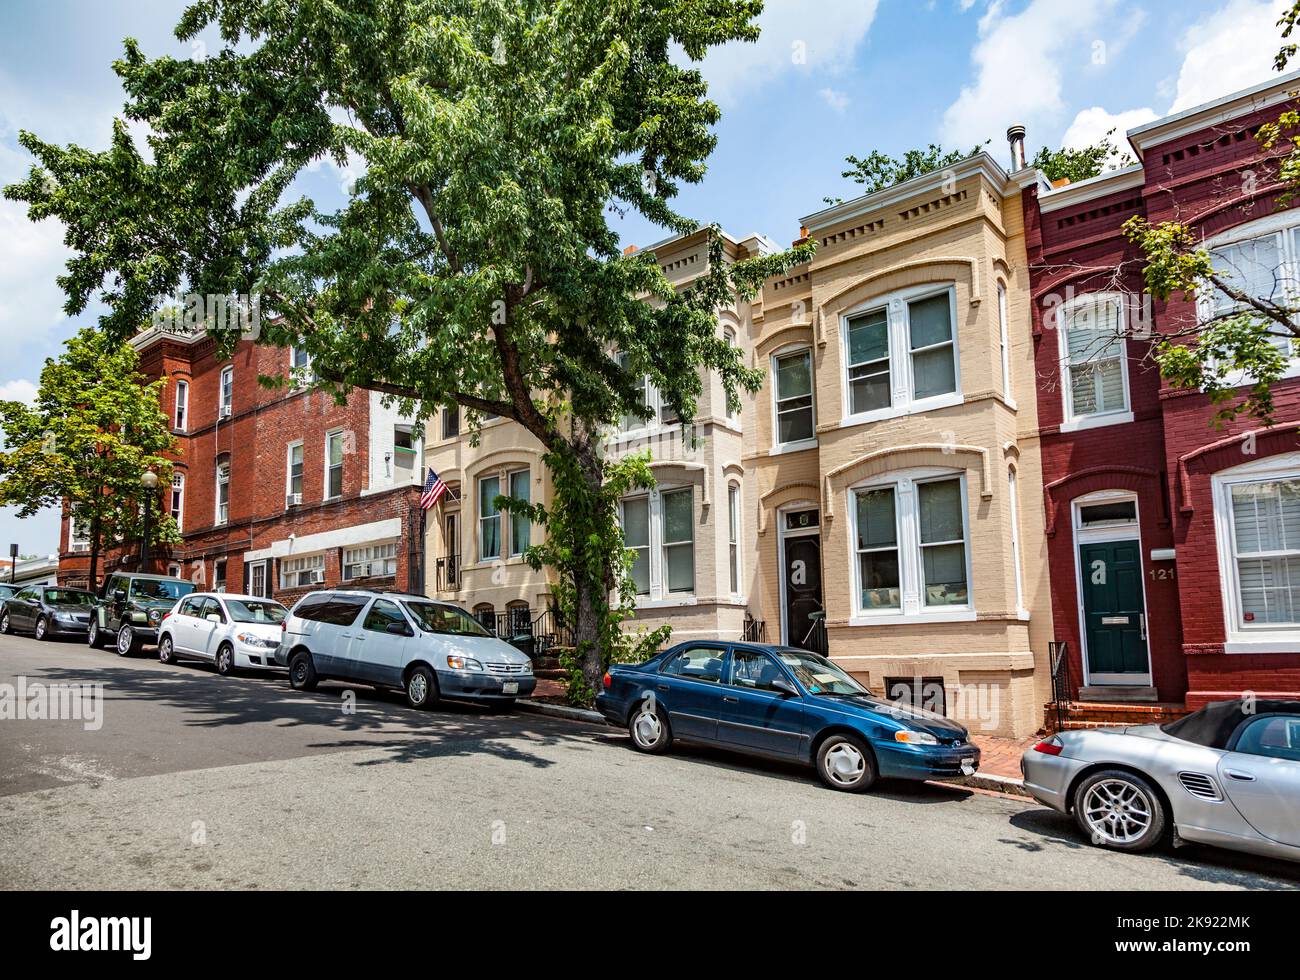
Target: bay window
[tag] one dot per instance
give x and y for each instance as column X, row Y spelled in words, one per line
column 520, row 525
column 1094, row 361
column 659, row 529
column 678, row 540
column 636, row 538
column 489, row 518
column 911, row 546
column 793, row 390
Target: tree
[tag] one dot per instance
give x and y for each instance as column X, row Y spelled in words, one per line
column 473, row 262
column 95, row 428
column 1079, row 164
column 877, row 170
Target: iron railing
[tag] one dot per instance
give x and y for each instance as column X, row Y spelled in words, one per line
column 446, row 574
column 1059, row 654
column 535, row 633
column 754, row 630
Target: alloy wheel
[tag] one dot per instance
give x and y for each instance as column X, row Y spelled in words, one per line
column 124, row 640
column 40, row 628
column 1116, row 811
column 4, row 623
column 417, row 688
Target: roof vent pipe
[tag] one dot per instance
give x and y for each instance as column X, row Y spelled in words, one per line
column 1016, row 137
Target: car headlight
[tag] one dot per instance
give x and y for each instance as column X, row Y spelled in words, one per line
column 528, row 666
column 155, row 616
column 463, row 663
column 915, row 738
column 253, row 640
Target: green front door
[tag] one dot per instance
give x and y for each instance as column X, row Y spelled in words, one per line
column 1113, row 611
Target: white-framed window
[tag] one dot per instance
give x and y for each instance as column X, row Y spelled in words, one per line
column 370, row 561
column 661, row 413
column 219, row 575
column 227, row 389
column 78, row 531
column 293, row 467
column 1257, row 517
column 733, row 537
column 729, row 336
column 911, row 546
column 256, row 573
column 1094, row 361
column 299, row 364
column 182, row 404
column 298, row 572
column 795, row 421
column 334, row 445
column 1261, row 259
column 1004, row 343
column 489, row 518
column 1013, row 514
column 660, row 528
column 223, row 490
column 901, row 354
column 520, row 526
column 178, row 500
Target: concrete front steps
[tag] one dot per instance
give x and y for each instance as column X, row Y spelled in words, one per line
column 1100, row 714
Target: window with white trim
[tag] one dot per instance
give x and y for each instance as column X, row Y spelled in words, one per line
column 1013, row 505
column 298, row 572
column 78, row 531
column 223, row 490
column 334, row 445
column 293, row 474
column 660, row 529
column 1262, row 519
column 733, row 537
column 177, row 508
column 1094, row 365
column 182, row 403
column 1004, row 342
column 901, row 352
column 227, row 389
column 370, row 561
column 733, row 414
column 661, row 413
column 489, row 518
column 793, row 393
column 299, row 365
column 1265, row 266
column 520, row 525
column 911, row 545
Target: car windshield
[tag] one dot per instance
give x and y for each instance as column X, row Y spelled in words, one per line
column 818, row 675
column 160, row 588
column 69, row 597
column 436, row 618
column 255, row 611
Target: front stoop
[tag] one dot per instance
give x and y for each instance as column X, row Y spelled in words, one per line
column 1118, row 694
column 1093, row 714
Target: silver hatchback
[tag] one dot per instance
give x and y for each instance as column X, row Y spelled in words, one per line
column 1227, row 775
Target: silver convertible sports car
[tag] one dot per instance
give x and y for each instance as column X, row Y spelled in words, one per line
column 1227, row 775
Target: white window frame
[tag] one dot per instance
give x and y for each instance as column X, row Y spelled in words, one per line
column 177, row 500
column 734, row 569
column 484, row 518
column 288, row 468
column 912, row 608
column 300, row 375
column 648, row 546
column 514, row 550
column 729, row 337
column 1004, row 341
column 659, row 594
column 1239, row 636
column 77, row 543
column 798, row 444
column 901, row 380
column 1073, row 422
column 181, row 415
column 654, row 402
column 1285, row 227
column 226, row 390
column 295, row 572
column 383, row 553
column 1013, row 515
column 325, row 489
column 221, row 515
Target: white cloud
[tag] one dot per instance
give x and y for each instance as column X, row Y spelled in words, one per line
column 1090, row 125
column 1233, row 48
column 837, row 100
column 1020, row 60
column 18, row 390
column 793, row 39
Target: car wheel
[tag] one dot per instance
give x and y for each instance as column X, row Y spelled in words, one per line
column 1120, row 810
column 94, row 638
column 166, row 652
column 421, row 688
column 225, row 660
column 42, row 628
column 302, row 672
column 844, row 762
column 127, row 644
column 5, row 628
column 649, row 729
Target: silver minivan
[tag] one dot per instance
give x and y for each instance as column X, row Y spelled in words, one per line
column 428, row 649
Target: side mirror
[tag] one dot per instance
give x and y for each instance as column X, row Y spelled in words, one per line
column 399, row 629
column 212, row 618
column 119, row 595
column 785, row 687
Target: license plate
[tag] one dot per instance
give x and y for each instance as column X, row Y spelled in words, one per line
column 968, row 767
column 510, row 687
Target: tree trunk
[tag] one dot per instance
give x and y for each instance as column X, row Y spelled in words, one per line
column 591, row 594
column 94, row 553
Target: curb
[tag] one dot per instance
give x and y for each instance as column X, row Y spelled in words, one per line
column 559, row 711
column 989, row 781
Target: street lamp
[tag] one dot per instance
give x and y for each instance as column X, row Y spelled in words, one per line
column 149, row 481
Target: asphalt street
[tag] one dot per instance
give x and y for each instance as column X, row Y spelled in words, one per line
column 198, row 781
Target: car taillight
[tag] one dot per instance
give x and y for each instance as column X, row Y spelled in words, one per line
column 1048, row 747
column 166, row 614
column 607, row 680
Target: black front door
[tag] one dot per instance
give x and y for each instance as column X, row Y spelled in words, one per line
column 803, row 589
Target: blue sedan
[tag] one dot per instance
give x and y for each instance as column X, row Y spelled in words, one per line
column 781, row 703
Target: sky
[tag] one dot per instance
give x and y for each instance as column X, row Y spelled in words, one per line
column 827, row 78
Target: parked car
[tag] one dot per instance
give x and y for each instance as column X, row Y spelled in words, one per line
column 428, row 649
column 7, row 589
column 47, row 611
column 231, row 631
column 782, row 703
column 130, row 607
column 1227, row 775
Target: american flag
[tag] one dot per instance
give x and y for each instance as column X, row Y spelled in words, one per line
column 434, row 488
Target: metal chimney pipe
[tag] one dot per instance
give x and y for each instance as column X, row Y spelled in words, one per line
column 1016, row 137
